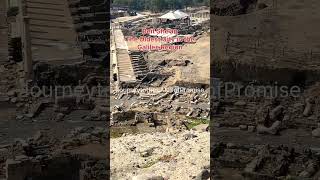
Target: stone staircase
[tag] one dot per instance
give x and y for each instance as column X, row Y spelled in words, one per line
column 52, row 34
column 125, row 69
column 139, row 65
column 90, row 19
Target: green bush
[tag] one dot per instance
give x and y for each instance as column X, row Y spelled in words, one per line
column 13, row 11
column 193, row 122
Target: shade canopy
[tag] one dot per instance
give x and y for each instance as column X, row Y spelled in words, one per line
column 181, row 14
column 174, row 15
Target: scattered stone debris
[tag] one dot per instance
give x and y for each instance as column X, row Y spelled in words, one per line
column 152, row 95
column 266, row 162
column 161, row 156
column 281, row 131
column 24, row 158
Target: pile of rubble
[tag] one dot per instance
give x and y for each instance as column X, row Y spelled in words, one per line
column 170, row 106
column 290, row 125
column 268, row 115
column 264, row 162
column 82, row 136
column 8, row 82
column 43, row 156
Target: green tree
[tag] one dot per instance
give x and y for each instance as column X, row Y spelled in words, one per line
column 121, row 2
column 160, row 5
column 174, row 4
column 137, row 4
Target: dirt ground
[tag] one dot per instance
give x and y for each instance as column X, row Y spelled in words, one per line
column 280, row 35
column 198, row 53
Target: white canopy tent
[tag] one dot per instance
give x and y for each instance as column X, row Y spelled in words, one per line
column 181, row 14
column 176, row 16
column 170, row 15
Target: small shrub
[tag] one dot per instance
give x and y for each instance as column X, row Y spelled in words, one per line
column 13, row 11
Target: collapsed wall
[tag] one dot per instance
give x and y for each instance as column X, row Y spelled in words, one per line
column 43, row 157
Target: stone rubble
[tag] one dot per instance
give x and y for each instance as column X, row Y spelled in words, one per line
column 24, row 158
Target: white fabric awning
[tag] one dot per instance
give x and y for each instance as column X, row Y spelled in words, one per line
column 170, row 15
column 181, row 14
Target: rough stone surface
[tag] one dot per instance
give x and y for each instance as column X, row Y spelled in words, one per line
column 173, row 157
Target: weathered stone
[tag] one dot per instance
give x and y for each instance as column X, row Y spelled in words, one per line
column 146, row 153
column 38, row 136
column 276, row 112
column 19, row 117
column 316, row 133
column 310, row 170
column 190, row 113
column 147, row 177
column 85, row 138
column 29, row 115
column 251, row 128
column 4, row 99
column 231, row 145
column 36, row 108
column 13, row 100
column 217, row 125
column 240, row 103
column 189, row 136
column 203, row 175
column 308, row 107
column 59, row 117
column 252, row 166
column 243, row 127
column 201, row 127
column 102, row 109
column 21, row 158
column 271, row 130
column 12, row 93
column 98, row 131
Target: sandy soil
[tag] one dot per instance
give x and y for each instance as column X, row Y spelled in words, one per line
column 129, row 18
column 198, row 53
column 168, row 155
